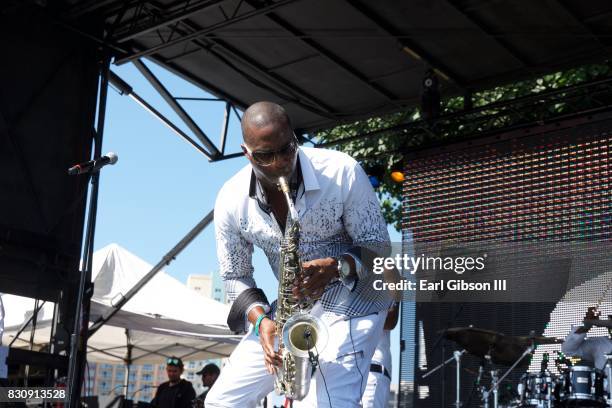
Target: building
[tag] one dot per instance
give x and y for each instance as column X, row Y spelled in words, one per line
column 218, row 288
column 210, row 286
column 201, row 284
column 107, row 380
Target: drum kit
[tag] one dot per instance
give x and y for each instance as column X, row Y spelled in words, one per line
column 575, row 385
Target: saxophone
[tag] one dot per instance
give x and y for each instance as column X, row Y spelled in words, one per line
column 300, row 335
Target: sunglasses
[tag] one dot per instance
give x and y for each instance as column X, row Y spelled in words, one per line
column 267, row 158
column 174, row 361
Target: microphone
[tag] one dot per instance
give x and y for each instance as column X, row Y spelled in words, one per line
column 93, row 165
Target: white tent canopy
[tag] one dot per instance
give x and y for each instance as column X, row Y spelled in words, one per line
column 164, row 318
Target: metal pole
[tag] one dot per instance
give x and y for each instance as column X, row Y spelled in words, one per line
column 436, row 368
column 529, row 350
column 177, row 108
column 126, row 381
column 200, row 33
column 128, row 363
column 166, row 260
column 485, row 397
column 224, row 126
column 125, row 89
column 457, row 356
column 495, row 390
column 609, row 374
column 78, row 340
column 401, row 354
column 23, row 326
column 443, row 378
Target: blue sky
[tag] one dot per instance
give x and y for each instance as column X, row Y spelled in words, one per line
column 161, row 187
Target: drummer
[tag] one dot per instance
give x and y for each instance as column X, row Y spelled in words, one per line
column 592, row 349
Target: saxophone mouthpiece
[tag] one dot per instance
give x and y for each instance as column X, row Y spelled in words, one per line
column 283, row 184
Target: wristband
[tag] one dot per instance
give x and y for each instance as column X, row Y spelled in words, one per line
column 237, row 320
column 258, row 322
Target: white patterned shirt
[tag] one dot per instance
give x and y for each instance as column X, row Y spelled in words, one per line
column 338, row 210
column 593, row 349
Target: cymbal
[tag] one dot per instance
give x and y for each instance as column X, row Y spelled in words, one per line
column 504, row 350
column 537, row 340
column 599, row 322
column 481, row 342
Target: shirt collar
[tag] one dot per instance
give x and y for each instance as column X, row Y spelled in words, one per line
column 256, row 190
column 308, row 174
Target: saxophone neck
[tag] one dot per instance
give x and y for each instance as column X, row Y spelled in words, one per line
column 284, row 187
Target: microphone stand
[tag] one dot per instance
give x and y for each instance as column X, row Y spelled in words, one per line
column 495, row 381
column 433, row 348
column 457, row 357
column 484, row 393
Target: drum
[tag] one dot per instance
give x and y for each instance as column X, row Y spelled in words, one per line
column 608, row 380
column 536, row 390
column 582, row 386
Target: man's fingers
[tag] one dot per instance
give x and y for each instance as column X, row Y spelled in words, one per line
column 272, row 362
column 269, row 361
column 315, row 283
column 317, row 293
column 270, row 355
column 270, row 368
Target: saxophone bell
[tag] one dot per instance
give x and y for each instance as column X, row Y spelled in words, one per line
column 304, row 336
column 304, row 333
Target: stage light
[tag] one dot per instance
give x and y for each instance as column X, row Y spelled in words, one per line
column 396, row 172
column 397, row 176
column 430, row 97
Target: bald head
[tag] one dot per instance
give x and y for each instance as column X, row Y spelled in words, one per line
column 261, row 115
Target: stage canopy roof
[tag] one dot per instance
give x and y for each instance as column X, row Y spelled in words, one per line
column 331, row 61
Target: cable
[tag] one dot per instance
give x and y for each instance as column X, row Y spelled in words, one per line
column 314, row 360
column 323, row 377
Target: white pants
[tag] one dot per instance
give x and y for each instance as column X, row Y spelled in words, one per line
column 341, row 377
column 376, row 394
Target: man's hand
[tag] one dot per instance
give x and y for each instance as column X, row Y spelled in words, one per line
column 267, row 333
column 317, row 274
column 591, row 314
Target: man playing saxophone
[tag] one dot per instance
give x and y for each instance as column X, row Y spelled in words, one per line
column 341, row 228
